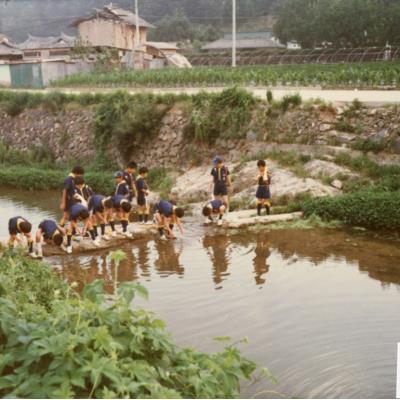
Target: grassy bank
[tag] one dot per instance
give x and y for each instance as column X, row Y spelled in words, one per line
column 350, row 75
column 44, row 178
column 370, row 209
column 56, row 344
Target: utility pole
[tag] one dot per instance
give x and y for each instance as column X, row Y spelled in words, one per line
column 233, row 33
column 137, row 36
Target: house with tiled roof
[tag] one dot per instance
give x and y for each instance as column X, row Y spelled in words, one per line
column 37, row 47
column 112, row 27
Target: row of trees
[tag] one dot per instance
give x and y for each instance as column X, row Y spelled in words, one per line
column 177, row 27
column 339, row 23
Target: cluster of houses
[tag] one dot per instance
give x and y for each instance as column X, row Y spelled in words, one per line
column 38, row 60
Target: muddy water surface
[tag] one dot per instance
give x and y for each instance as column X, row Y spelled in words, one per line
column 321, row 308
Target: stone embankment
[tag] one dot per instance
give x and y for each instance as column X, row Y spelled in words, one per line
column 68, row 134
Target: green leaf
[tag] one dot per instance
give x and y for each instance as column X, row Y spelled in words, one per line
column 94, row 291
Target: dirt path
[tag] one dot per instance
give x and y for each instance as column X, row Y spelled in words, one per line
column 372, row 97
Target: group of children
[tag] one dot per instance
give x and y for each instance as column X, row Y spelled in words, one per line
column 221, row 180
column 84, row 211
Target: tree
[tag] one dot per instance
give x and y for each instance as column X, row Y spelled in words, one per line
column 173, row 28
column 340, row 23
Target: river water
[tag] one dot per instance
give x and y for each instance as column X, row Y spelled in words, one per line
column 321, row 308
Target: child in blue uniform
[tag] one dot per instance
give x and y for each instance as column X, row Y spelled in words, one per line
column 68, row 192
column 122, row 208
column 19, row 225
column 78, row 212
column 167, row 215
column 130, row 179
column 82, row 191
column 214, row 207
column 121, row 187
column 49, row 232
column 263, row 194
column 101, row 210
column 142, row 193
column 221, row 180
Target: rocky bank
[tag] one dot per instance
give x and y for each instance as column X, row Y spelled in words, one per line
column 316, row 130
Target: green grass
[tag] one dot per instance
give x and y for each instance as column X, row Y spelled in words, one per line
column 383, row 177
column 350, row 75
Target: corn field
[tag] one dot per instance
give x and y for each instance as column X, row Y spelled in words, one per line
column 353, row 75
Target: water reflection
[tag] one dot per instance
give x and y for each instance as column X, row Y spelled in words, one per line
column 167, row 262
column 378, row 258
column 260, row 260
column 217, row 248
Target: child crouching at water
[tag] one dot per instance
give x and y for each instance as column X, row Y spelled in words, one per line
column 101, row 209
column 214, row 207
column 49, row 232
column 166, row 216
column 80, row 213
column 121, row 209
column 263, row 193
column 19, row 225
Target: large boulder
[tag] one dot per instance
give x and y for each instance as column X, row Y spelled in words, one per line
column 316, row 168
column 193, row 186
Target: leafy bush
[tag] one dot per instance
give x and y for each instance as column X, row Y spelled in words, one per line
column 15, row 102
column 290, row 100
column 160, row 180
column 101, row 347
column 371, row 209
column 127, row 120
column 367, row 145
column 270, row 97
column 224, row 114
column 26, row 282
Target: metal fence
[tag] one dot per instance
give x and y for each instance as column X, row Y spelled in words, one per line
column 316, row 56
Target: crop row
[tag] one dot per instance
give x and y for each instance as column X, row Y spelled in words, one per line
column 349, row 75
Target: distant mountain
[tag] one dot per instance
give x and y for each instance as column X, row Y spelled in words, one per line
column 18, row 18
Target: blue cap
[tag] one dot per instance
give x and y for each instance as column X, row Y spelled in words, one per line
column 119, row 174
column 217, row 160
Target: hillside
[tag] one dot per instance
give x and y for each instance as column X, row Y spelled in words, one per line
column 49, row 17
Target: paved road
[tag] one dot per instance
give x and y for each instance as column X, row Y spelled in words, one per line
column 373, row 97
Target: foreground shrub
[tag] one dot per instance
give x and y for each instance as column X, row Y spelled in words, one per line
column 377, row 210
column 100, row 347
column 27, row 282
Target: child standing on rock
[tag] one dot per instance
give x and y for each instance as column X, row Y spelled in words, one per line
column 67, row 199
column 263, row 193
column 221, row 180
column 130, row 179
